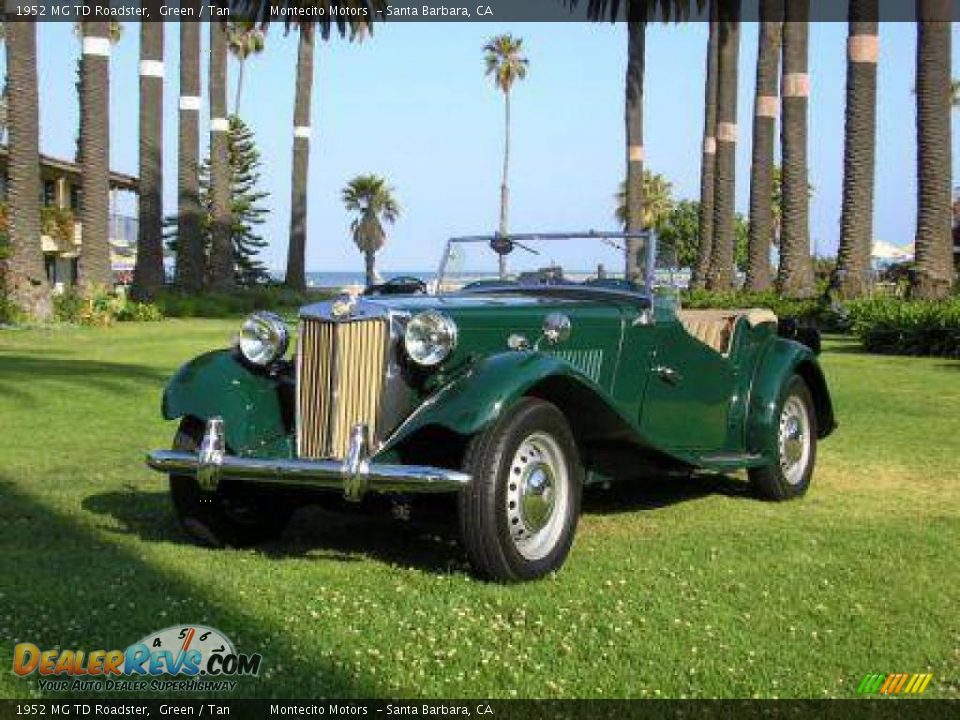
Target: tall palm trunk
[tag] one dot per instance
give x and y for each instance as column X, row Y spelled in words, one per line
column 148, row 272
column 25, row 281
column 370, row 260
column 852, row 276
column 796, row 266
column 935, row 275
column 708, row 161
column 95, row 268
column 221, row 247
column 297, row 249
column 633, row 119
column 236, row 99
column 766, row 104
column 722, row 256
column 504, row 188
column 191, row 261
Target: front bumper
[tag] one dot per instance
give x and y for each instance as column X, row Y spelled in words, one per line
column 355, row 475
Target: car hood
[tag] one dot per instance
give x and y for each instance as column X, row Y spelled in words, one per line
column 466, row 304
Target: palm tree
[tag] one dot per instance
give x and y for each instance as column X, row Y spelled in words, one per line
column 638, row 13
column 852, row 275
column 148, row 271
column 505, row 61
column 26, row 281
column 796, row 266
column 765, row 108
column 191, row 261
column 371, row 200
column 296, row 250
column 720, row 276
column 708, row 162
column 222, row 276
column 114, row 32
column 244, row 39
column 935, row 274
column 658, row 200
column 95, row 267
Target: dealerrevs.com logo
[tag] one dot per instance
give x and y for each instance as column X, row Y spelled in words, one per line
column 204, row 655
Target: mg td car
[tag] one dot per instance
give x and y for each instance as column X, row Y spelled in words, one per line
column 532, row 370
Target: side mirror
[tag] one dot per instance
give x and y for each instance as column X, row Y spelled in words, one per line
column 557, row 328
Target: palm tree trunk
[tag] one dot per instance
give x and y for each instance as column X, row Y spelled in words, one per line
column 25, row 280
column 296, row 251
column 708, row 161
column 236, row 99
column 765, row 109
column 370, row 259
column 796, row 266
column 935, row 274
column 191, row 254
column 504, row 191
column 722, row 255
column 95, row 267
column 148, row 272
column 852, row 276
column 633, row 120
column 221, row 247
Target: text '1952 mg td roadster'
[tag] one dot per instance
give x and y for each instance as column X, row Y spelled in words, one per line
column 529, row 371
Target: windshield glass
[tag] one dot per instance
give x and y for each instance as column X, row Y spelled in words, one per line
column 591, row 260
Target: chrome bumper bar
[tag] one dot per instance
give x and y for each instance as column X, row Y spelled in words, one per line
column 355, row 475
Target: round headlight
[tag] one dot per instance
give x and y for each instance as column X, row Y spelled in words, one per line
column 263, row 338
column 430, row 337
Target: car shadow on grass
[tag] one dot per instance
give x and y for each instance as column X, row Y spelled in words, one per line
column 427, row 541
column 22, row 375
column 69, row 584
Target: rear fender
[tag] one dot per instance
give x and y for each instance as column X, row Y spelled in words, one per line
column 783, row 360
column 257, row 409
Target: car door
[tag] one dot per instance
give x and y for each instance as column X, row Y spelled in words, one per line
column 688, row 393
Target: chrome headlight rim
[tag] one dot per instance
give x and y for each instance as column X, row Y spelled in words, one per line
column 263, row 339
column 441, row 346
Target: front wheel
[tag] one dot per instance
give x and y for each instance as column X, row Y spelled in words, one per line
column 795, row 446
column 519, row 514
column 230, row 516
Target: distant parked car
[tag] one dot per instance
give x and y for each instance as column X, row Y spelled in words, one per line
column 402, row 285
column 508, row 387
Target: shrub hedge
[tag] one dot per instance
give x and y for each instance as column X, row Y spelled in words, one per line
column 900, row 327
column 809, row 312
column 101, row 308
column 221, row 305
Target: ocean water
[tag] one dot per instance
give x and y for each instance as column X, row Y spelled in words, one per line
column 341, row 280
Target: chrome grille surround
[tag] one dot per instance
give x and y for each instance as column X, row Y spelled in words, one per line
column 348, row 373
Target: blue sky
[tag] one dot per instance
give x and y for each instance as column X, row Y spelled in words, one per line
column 413, row 105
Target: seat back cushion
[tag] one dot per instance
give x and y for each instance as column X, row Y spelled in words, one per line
column 715, row 328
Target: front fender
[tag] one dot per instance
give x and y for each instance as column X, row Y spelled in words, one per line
column 782, row 360
column 256, row 408
column 476, row 399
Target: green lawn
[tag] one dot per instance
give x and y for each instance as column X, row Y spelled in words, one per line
column 673, row 588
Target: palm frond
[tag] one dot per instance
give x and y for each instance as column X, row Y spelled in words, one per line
column 344, row 17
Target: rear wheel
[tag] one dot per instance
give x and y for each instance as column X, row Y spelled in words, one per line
column 795, row 446
column 519, row 514
column 230, row 516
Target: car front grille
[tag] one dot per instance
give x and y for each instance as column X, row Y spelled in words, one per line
column 341, row 368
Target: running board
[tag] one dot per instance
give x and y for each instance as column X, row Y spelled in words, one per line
column 731, row 461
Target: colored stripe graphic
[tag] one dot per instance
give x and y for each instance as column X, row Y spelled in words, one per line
column 894, row 683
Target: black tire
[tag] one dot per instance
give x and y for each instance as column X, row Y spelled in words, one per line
column 784, row 479
column 492, row 508
column 231, row 516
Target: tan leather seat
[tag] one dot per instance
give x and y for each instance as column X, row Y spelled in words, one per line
column 714, row 328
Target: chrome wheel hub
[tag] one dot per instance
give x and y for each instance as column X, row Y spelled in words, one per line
column 537, row 495
column 794, row 440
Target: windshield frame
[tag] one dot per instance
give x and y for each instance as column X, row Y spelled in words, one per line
column 645, row 290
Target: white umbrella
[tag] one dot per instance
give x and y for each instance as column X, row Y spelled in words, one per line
column 888, row 252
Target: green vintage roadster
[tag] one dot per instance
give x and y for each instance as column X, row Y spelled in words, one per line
column 530, row 371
